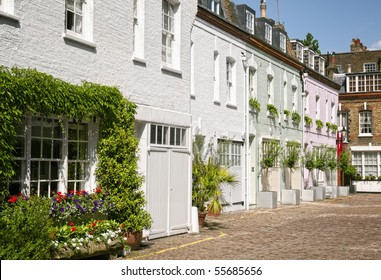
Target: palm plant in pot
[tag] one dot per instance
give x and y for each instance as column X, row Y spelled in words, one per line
column 208, row 178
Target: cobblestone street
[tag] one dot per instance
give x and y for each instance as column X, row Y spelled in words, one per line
column 347, row 228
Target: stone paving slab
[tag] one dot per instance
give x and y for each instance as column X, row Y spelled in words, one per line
column 347, row 228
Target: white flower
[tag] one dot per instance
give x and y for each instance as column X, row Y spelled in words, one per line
column 109, row 241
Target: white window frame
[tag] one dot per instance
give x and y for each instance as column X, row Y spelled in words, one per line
column 317, row 104
column 365, row 123
column 216, row 80
column 214, row 6
column 270, row 89
column 138, row 30
column 45, row 143
column 230, row 153
column 285, row 93
column 268, row 33
column 282, row 42
column 370, row 67
column 253, row 82
column 171, row 35
column 168, row 136
column 7, row 10
column 367, row 162
column 231, row 81
column 85, row 37
column 250, row 19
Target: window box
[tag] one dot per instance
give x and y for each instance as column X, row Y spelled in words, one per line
column 272, row 110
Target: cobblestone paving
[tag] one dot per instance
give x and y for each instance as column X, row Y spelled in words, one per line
column 338, row 229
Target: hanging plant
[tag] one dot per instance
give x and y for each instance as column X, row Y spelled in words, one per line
column 287, row 113
column 255, row 104
column 319, row 124
column 295, row 117
column 272, row 110
column 307, row 120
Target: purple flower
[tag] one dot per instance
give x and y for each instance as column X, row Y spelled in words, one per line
column 62, row 209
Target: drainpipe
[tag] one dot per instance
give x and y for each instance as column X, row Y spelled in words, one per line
column 303, row 75
column 246, row 132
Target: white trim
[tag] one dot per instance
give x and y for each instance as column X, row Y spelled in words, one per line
column 72, row 37
column 366, row 148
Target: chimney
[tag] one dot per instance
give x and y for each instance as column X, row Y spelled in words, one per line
column 263, row 8
column 349, row 68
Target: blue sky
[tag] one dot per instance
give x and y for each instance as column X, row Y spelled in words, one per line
column 334, row 23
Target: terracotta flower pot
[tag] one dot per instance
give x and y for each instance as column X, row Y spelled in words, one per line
column 201, row 218
column 134, row 238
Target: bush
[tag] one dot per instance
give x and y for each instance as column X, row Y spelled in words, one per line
column 24, row 229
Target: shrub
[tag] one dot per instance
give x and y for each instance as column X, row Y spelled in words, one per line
column 307, row 120
column 272, row 110
column 255, row 103
column 319, row 124
column 295, row 117
column 24, row 229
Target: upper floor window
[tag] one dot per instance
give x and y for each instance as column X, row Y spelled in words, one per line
column 317, row 108
column 282, row 41
column 7, row 9
column 230, row 80
column 365, row 123
column 74, row 15
column 171, row 33
column 268, row 33
column 369, row 67
column 252, row 83
column 249, row 22
column 79, row 19
column 138, row 29
column 214, row 6
column 216, row 80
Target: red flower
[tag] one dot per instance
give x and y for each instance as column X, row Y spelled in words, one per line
column 78, row 192
column 12, row 199
column 59, row 199
column 99, row 221
column 59, row 194
column 73, row 229
column 122, row 225
column 71, row 224
column 98, row 190
column 94, row 224
column 71, row 191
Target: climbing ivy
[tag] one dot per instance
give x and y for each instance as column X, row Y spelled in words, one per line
column 28, row 91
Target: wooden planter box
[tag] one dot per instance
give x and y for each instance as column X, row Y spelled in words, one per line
column 309, row 195
column 290, row 197
column 92, row 249
column 319, row 193
column 267, row 199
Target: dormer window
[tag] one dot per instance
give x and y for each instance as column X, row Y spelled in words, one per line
column 268, row 33
column 282, row 42
column 369, row 67
column 249, row 22
column 214, row 6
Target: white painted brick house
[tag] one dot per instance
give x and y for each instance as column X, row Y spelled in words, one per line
column 143, row 48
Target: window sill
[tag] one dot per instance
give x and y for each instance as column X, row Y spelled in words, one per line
column 139, row 60
column 78, row 40
column 366, row 135
column 9, row 16
column 231, row 105
column 171, row 70
column 217, row 102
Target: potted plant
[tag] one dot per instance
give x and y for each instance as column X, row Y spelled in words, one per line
column 319, row 124
column 295, row 117
column 208, row 177
column 273, row 111
column 307, row 120
column 321, row 164
column 134, row 225
column 290, row 160
column 287, row 114
column 255, row 104
column 346, row 170
column 308, row 194
column 270, row 155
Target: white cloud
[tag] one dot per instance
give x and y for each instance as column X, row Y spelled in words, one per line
column 376, row 46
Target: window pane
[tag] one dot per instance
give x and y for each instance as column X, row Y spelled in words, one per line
column 153, row 134
column 71, row 171
column 54, row 171
column 178, row 135
column 34, row 170
column 53, row 187
column 57, row 149
column 44, row 170
column 165, row 139
column 72, row 152
column 47, row 149
column 44, row 188
column 36, row 148
column 172, row 136
column 184, row 137
column 73, row 132
column 34, row 188
column 70, row 4
column 19, row 147
column 159, row 134
column 36, row 131
column 47, row 132
column 78, row 24
column 70, row 20
column 82, row 131
column 82, row 151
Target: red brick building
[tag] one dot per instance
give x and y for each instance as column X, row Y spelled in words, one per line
column 359, row 112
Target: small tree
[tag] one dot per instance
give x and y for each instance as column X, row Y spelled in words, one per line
column 321, row 159
column 309, row 161
column 312, row 43
column 331, row 162
column 271, row 151
column 345, row 165
column 291, row 157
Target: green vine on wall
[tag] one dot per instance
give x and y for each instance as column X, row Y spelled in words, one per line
column 27, row 91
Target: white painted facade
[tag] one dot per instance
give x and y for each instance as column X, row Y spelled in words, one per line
column 119, row 45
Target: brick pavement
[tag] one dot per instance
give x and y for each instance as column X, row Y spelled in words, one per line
column 339, row 229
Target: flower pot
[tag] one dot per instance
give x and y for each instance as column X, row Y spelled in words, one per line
column 267, row 199
column 319, row 193
column 343, row 191
column 134, row 238
column 309, row 195
column 201, row 218
column 291, row 197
